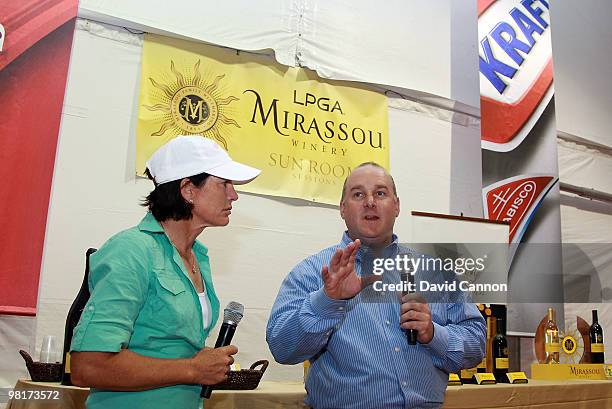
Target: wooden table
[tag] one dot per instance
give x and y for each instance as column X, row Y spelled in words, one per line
column 535, row 394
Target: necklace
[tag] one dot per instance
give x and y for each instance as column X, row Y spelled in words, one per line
column 195, row 272
column 194, row 265
column 193, row 262
column 195, row 278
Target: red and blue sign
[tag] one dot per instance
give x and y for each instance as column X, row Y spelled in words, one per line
column 515, row 201
column 515, row 64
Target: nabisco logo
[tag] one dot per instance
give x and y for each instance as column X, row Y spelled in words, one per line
column 514, row 205
column 515, row 69
column 515, row 200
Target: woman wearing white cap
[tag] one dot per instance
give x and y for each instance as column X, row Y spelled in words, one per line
column 140, row 340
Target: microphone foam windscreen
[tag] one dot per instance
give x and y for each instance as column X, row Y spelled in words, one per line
column 233, row 312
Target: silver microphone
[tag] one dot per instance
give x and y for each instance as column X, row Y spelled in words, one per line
column 232, row 315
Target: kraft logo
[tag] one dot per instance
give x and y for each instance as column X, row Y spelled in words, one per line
column 515, row 63
column 515, row 200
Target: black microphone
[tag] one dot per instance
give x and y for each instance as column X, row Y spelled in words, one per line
column 408, row 278
column 231, row 318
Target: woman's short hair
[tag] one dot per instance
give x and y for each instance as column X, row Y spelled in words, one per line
column 166, row 201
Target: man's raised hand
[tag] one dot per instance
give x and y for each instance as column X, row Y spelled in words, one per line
column 340, row 280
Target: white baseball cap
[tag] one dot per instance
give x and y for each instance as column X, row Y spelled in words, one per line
column 189, row 155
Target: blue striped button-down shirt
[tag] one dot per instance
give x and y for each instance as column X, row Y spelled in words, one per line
column 359, row 354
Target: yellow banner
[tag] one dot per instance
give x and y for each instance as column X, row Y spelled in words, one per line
column 305, row 133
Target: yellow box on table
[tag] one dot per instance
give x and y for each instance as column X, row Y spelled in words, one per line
column 571, row 371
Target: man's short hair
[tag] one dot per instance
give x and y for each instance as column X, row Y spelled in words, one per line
column 374, row 164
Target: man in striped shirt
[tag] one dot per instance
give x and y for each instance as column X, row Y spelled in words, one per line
column 357, row 348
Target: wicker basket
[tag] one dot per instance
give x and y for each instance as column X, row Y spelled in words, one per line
column 245, row 379
column 41, row 371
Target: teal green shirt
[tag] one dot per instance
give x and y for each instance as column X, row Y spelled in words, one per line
column 142, row 299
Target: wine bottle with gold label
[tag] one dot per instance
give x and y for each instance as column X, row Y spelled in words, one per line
column 500, row 353
column 551, row 336
column 597, row 341
column 485, row 365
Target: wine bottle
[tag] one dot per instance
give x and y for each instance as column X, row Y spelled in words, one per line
column 597, row 342
column 551, row 336
column 74, row 314
column 500, row 353
column 484, row 366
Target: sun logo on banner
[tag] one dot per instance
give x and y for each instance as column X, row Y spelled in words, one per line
column 189, row 104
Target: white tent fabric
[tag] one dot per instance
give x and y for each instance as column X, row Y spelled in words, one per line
column 430, row 44
column 587, row 229
column 356, row 40
column 584, row 166
column 240, row 24
column 582, row 65
column 585, row 221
